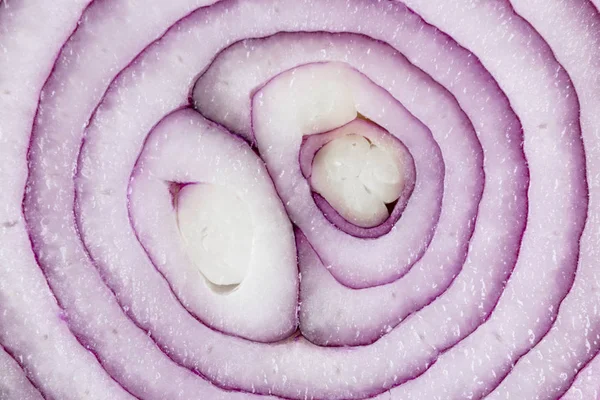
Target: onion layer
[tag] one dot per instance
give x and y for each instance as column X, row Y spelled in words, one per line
column 186, row 148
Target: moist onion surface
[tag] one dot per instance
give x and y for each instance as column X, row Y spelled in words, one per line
column 299, row 199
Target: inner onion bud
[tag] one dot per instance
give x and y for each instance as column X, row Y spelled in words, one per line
column 358, row 178
column 217, row 230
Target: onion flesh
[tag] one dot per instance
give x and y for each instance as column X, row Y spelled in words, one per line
column 186, row 148
column 143, row 149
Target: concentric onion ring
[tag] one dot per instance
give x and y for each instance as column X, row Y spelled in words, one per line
column 482, row 283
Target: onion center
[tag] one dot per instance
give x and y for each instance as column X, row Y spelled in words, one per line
column 358, row 177
column 216, row 229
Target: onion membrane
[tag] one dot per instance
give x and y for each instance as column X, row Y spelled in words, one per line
column 340, row 199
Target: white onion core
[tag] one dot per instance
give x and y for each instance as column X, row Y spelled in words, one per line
column 216, row 228
column 358, row 178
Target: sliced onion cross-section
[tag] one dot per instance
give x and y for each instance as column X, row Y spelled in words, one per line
column 297, row 199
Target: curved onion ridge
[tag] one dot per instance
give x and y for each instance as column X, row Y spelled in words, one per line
column 482, row 281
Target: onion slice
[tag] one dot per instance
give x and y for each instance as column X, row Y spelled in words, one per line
column 482, row 278
column 186, row 148
column 304, row 92
column 146, row 313
column 334, row 315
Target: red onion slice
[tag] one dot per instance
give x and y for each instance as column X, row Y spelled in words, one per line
column 327, row 316
column 99, row 320
column 170, row 320
column 353, row 261
column 185, row 148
